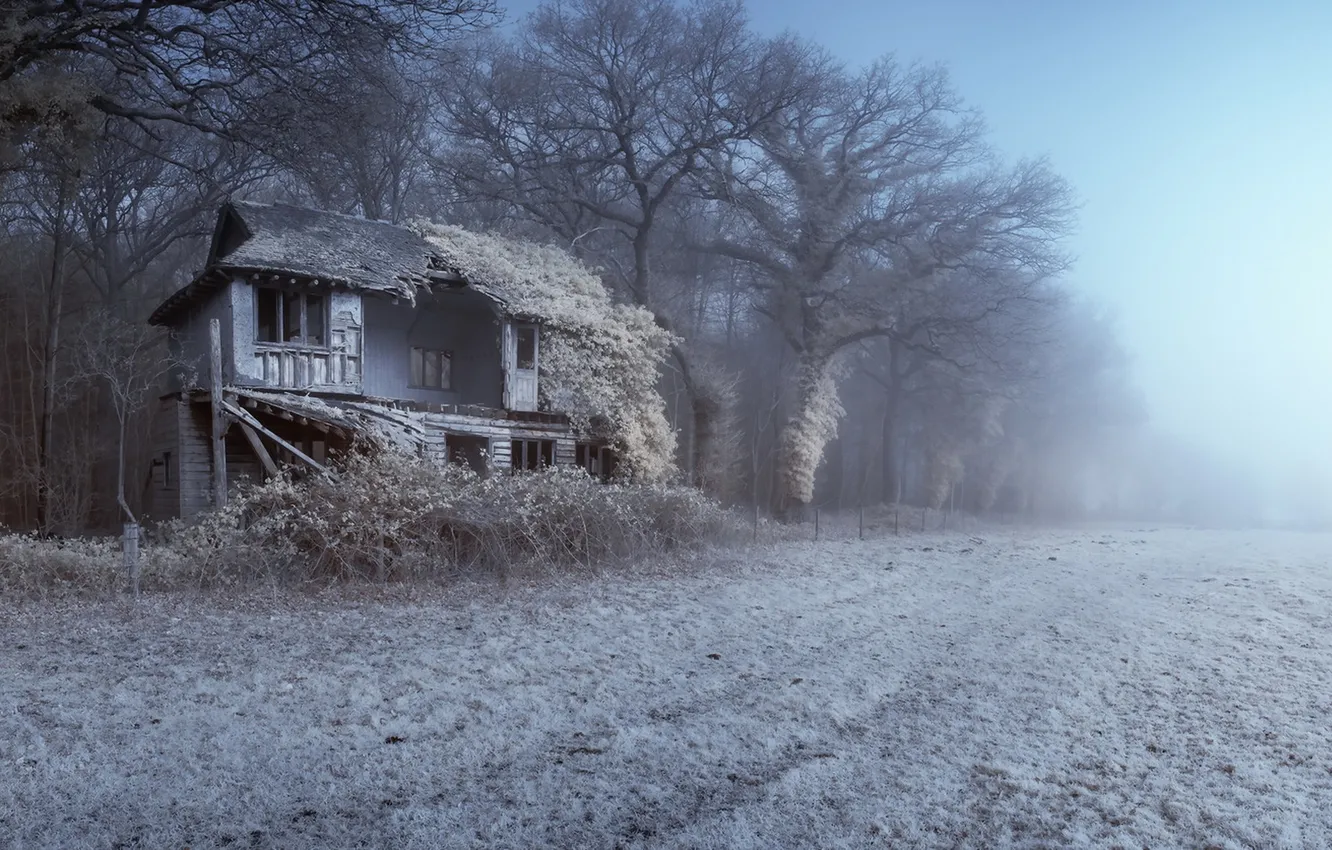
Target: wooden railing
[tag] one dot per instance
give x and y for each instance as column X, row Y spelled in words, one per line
column 300, row 367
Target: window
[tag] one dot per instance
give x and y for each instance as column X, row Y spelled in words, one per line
column 599, row 461
column 469, row 451
column 432, row 369
column 166, row 470
column 527, row 347
column 532, row 454
column 295, row 318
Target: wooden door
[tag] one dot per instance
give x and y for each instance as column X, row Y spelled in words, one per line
column 522, row 343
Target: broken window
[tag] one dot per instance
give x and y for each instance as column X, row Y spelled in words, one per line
column 314, row 320
column 599, row 461
column 432, row 369
column 527, row 347
column 532, row 454
column 270, row 315
column 292, row 317
column 468, row 450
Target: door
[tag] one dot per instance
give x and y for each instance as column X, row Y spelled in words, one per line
column 522, row 353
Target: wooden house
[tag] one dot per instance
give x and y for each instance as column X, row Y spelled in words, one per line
column 329, row 327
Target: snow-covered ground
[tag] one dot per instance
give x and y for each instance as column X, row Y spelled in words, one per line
column 1158, row 688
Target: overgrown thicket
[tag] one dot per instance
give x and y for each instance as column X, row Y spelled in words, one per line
column 860, row 299
column 386, row 517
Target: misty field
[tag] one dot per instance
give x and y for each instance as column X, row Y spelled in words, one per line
column 1135, row 687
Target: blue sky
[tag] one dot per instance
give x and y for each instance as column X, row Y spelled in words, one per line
column 1198, row 136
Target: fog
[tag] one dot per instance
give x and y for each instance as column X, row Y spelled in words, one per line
column 1049, row 261
column 1195, row 134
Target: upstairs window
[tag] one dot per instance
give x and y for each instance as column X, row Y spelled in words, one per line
column 432, row 369
column 295, row 318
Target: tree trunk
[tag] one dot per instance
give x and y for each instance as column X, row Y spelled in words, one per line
column 805, row 435
column 892, row 458
column 54, row 306
column 892, row 469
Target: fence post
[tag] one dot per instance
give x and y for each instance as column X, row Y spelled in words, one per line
column 129, row 543
column 923, row 513
column 862, row 521
column 896, row 513
column 816, row 523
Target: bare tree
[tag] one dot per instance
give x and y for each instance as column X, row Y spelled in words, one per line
column 126, row 360
column 195, row 62
column 593, row 116
column 363, row 147
column 873, row 185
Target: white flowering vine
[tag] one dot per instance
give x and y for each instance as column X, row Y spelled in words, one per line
column 600, row 359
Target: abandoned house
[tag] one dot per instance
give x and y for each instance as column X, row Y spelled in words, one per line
column 330, row 327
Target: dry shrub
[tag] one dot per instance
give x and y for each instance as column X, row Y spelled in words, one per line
column 389, row 517
column 35, row 567
column 385, row 517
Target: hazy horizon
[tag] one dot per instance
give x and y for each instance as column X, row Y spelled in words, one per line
column 1194, row 134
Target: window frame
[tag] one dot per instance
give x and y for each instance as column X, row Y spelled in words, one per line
column 537, row 449
column 280, row 320
column 596, row 459
column 444, row 356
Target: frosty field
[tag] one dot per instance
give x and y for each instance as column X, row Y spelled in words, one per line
column 1133, row 687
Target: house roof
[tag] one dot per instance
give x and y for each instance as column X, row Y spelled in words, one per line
column 344, row 251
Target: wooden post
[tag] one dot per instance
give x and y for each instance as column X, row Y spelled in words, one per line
column 923, row 513
column 816, row 523
column 896, row 514
column 862, row 520
column 219, row 417
column 129, row 543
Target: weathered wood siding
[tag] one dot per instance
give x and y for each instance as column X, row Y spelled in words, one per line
column 189, row 342
column 196, row 459
column 163, row 500
column 460, row 323
column 242, row 465
column 500, row 433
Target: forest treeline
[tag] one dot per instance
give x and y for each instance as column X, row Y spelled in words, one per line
column 871, row 303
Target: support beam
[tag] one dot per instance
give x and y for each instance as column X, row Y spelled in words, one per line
column 255, row 443
column 243, row 415
column 219, row 418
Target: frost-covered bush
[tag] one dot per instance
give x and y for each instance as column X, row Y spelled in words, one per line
column 389, row 517
column 599, row 360
column 36, row 566
column 384, row 517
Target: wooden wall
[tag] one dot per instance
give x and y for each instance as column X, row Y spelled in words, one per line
column 182, row 465
column 182, row 429
column 462, row 323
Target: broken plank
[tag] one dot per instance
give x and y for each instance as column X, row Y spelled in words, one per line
column 245, row 416
column 260, row 452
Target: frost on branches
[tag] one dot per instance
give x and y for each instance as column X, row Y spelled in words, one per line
column 599, row 359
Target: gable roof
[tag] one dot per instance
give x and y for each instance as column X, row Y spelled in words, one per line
column 344, row 251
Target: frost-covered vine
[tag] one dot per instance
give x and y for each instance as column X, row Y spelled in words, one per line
column 811, row 427
column 599, row 360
